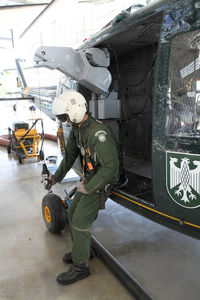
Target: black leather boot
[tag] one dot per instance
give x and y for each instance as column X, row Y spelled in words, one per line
column 74, row 273
column 67, row 258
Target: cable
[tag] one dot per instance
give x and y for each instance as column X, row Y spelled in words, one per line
column 116, row 59
column 146, row 76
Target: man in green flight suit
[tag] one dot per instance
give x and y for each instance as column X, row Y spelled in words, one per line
column 95, row 143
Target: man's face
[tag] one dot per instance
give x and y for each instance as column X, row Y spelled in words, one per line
column 62, row 118
column 65, row 118
column 68, row 121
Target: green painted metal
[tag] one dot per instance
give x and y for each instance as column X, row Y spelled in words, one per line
column 179, row 17
column 181, row 11
column 114, row 28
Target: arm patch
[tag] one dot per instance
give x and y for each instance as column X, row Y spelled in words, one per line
column 101, row 134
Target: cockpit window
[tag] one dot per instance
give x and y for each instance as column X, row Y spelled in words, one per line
column 183, row 97
column 66, row 84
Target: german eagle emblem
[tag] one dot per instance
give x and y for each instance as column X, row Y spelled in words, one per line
column 183, row 178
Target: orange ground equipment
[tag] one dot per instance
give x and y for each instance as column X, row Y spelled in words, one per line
column 61, row 140
column 24, row 141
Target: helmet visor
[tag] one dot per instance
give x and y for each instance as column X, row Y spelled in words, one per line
column 62, row 118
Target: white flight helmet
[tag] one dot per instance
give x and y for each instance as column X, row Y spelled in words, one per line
column 71, row 103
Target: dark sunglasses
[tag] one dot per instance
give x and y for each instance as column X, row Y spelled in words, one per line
column 62, row 118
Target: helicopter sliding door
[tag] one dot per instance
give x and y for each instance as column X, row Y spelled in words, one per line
column 176, row 132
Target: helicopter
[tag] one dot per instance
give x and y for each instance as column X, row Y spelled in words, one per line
column 141, row 75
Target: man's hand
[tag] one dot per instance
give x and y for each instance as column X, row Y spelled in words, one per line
column 81, row 188
column 48, row 182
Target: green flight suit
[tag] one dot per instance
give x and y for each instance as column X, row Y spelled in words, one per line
column 98, row 140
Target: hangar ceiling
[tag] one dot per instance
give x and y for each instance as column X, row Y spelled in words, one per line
column 15, row 17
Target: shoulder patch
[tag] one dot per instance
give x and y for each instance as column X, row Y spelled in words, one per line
column 101, row 134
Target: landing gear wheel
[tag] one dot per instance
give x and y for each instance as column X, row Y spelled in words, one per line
column 20, row 158
column 54, row 213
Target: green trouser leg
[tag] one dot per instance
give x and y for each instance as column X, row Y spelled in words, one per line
column 82, row 212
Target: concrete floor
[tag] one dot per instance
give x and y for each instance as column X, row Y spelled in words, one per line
column 165, row 262
column 30, row 256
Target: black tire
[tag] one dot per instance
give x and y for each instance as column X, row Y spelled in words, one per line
column 54, row 213
column 9, row 149
column 20, row 158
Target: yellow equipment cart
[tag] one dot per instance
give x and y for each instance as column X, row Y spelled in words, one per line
column 24, row 141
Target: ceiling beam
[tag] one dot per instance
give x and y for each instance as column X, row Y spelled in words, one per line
column 49, row 4
column 22, row 5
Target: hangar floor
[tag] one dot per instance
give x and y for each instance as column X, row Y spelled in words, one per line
column 31, row 257
column 163, row 261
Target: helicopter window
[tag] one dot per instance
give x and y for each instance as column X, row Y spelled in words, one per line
column 183, row 97
column 66, row 84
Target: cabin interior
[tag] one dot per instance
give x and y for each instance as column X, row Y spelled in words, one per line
column 133, row 60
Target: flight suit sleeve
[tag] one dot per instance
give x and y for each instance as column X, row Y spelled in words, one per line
column 106, row 152
column 71, row 153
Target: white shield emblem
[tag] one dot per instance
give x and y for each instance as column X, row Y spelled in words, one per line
column 102, row 137
column 183, row 178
